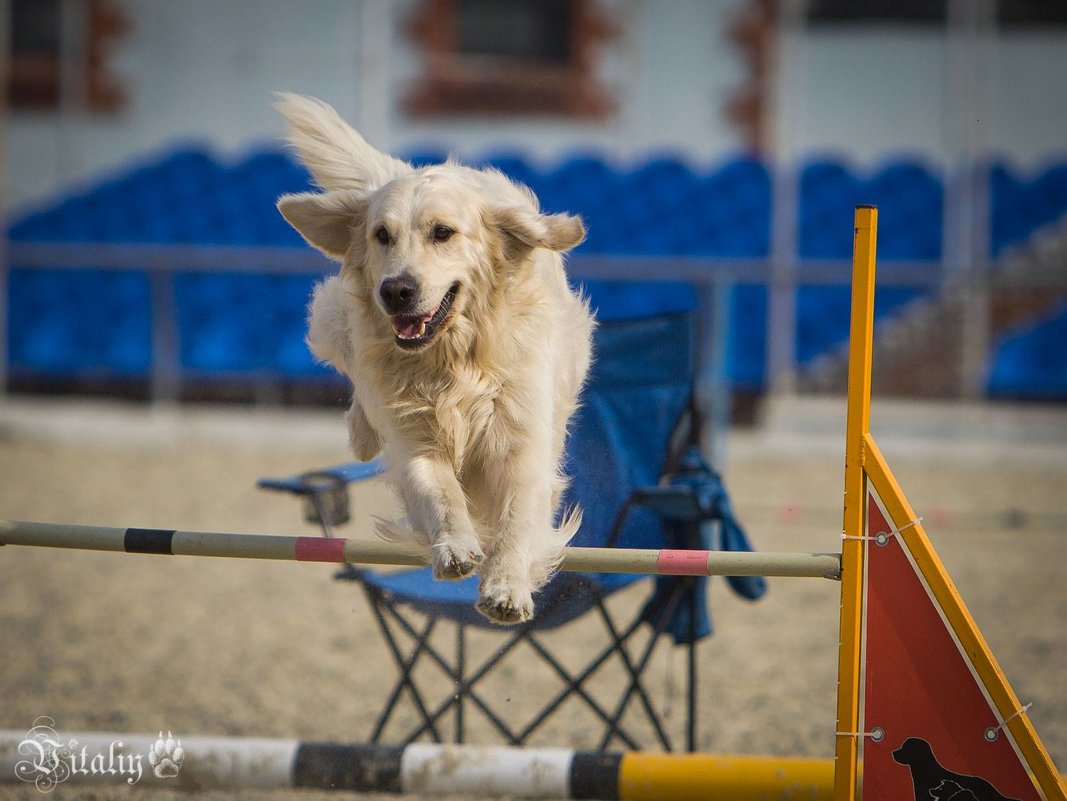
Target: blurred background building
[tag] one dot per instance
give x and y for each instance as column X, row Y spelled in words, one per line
column 722, row 143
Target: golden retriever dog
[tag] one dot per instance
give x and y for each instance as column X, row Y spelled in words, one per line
column 466, row 348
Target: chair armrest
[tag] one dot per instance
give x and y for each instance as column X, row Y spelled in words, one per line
column 325, row 492
column 314, row 481
column 671, row 502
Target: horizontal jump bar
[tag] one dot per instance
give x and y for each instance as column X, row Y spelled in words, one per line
column 663, row 562
column 423, row 770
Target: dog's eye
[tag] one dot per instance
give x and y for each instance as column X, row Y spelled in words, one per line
column 442, row 233
column 382, row 235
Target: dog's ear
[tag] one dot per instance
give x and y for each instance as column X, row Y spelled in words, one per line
column 337, row 156
column 327, row 221
column 525, row 230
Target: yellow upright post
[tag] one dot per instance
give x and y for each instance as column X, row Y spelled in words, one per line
column 857, row 426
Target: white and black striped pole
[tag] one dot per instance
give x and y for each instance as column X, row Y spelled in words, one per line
column 216, row 763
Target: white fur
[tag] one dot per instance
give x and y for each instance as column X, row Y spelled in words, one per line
column 473, row 424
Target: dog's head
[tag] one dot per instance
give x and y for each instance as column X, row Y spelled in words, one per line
column 915, row 752
column 424, row 246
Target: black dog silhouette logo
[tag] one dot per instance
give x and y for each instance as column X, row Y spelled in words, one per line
column 933, row 782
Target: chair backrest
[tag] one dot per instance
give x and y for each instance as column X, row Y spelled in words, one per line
column 639, row 387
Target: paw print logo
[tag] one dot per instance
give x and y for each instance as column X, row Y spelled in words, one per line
column 166, row 756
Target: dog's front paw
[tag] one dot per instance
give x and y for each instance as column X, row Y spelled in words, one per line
column 503, row 602
column 454, row 558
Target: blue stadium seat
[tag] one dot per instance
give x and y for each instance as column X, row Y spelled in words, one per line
column 1030, row 362
column 226, row 322
column 516, row 167
column 828, row 193
column 1019, row 206
column 823, row 316
column 732, row 211
column 73, row 323
column 746, row 344
column 910, row 199
column 426, row 156
column 290, row 356
column 633, row 300
column 587, row 186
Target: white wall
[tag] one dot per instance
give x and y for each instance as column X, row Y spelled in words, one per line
column 874, row 93
column 864, row 93
column 205, row 70
column 195, row 69
column 1028, row 96
column 671, row 72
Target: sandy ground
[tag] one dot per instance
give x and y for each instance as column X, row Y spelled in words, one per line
column 196, row 646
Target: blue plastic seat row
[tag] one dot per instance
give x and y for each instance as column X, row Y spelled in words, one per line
column 910, row 202
column 663, row 206
column 1019, row 206
column 1030, row 362
column 73, row 322
column 79, row 322
column 98, row 322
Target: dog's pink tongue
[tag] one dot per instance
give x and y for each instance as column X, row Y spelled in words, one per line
column 410, row 327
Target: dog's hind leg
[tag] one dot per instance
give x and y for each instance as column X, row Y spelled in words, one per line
column 437, row 507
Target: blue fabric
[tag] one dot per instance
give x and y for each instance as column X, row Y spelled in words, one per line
column 565, row 598
column 680, row 521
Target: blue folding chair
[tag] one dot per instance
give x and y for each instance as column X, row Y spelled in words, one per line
column 641, row 483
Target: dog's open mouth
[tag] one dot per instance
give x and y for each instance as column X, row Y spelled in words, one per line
column 413, row 331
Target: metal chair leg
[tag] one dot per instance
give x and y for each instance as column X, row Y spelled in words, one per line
column 460, row 667
column 636, row 685
column 405, row 666
column 691, row 683
column 664, row 614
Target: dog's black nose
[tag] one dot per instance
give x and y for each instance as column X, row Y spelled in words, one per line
column 399, row 294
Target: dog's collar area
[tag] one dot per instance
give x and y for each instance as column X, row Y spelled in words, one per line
column 414, row 331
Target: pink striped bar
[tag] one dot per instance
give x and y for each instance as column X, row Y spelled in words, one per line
column 669, row 562
column 676, row 562
column 319, row 549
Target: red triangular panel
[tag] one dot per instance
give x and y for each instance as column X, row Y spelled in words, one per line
column 920, row 690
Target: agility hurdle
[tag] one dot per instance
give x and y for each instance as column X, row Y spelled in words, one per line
column 999, row 746
column 896, row 720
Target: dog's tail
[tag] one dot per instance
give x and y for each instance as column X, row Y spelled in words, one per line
column 337, row 156
column 549, row 552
